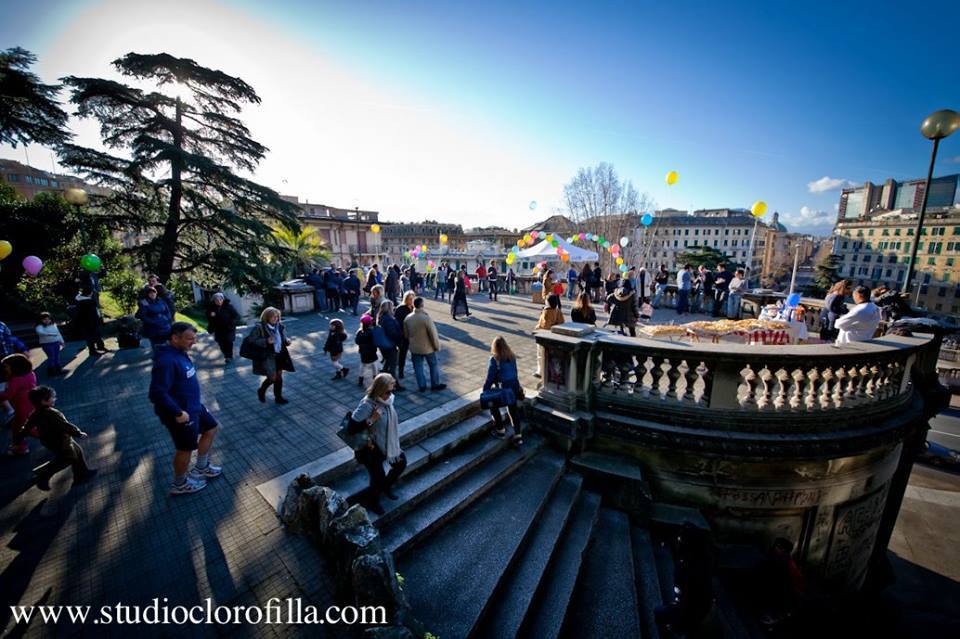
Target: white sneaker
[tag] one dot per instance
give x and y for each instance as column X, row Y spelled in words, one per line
column 192, row 485
column 209, row 471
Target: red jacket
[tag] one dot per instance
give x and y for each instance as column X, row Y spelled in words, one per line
column 16, row 394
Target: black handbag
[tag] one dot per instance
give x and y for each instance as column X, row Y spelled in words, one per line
column 353, row 433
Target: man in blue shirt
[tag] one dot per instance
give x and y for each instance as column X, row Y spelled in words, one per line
column 175, row 394
column 684, row 285
column 571, row 282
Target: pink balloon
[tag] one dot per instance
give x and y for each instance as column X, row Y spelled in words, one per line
column 582, row 237
column 32, row 265
column 615, row 249
column 535, row 234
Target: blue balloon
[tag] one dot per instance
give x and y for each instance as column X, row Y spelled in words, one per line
column 516, row 249
column 793, row 300
column 647, row 219
column 623, row 268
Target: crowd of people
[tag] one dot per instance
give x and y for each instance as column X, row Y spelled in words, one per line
column 394, row 326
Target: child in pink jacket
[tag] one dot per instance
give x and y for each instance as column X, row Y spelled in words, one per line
column 18, row 373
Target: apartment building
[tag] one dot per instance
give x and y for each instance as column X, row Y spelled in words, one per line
column 734, row 232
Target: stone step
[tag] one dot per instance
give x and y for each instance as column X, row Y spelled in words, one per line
column 451, row 578
column 330, row 467
column 609, row 465
column 545, row 616
column 505, row 614
column 648, row 583
column 425, row 479
column 663, row 554
column 604, row 603
column 674, row 516
column 436, row 507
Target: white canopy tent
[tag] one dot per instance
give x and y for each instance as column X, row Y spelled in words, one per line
column 546, row 251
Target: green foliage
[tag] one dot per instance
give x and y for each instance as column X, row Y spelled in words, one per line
column 825, row 275
column 123, row 284
column 29, row 111
column 55, row 232
column 200, row 217
column 400, row 580
column 302, row 250
column 708, row 257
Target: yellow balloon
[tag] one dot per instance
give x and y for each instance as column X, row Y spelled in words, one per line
column 510, row 258
column 549, row 237
column 672, row 177
column 443, row 239
column 423, row 248
column 527, row 238
column 619, row 261
column 375, row 228
column 6, row 248
column 759, row 208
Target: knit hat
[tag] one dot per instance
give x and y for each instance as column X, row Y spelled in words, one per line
column 366, row 319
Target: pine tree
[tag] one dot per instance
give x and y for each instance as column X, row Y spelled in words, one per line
column 174, row 179
column 29, row 111
column 826, row 273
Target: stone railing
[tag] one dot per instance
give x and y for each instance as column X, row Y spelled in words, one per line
column 738, row 384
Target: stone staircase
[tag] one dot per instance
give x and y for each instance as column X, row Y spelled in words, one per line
column 496, row 541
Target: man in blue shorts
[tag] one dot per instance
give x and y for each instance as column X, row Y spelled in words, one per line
column 175, row 394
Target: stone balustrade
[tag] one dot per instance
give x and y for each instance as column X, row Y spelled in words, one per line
column 810, row 442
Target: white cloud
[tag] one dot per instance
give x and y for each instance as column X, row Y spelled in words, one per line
column 827, row 183
column 809, row 220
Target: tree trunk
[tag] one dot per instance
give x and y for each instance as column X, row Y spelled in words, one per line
column 171, row 227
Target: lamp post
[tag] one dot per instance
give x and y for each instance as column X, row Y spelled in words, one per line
column 78, row 197
column 937, row 126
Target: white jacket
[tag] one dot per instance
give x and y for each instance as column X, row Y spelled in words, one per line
column 859, row 324
column 49, row 334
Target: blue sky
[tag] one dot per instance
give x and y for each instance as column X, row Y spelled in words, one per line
column 467, row 111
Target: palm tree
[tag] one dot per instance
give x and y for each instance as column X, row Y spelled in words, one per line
column 304, row 250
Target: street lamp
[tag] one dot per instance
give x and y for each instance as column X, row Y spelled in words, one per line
column 78, row 197
column 937, row 126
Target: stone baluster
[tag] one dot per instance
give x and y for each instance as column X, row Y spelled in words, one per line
column 850, row 394
column 825, row 387
column 701, row 386
column 647, row 379
column 746, row 389
column 810, row 401
column 764, row 389
column 873, row 380
column 780, row 399
column 657, row 372
column 684, row 387
column 665, row 383
column 796, row 389
column 863, row 376
column 838, row 387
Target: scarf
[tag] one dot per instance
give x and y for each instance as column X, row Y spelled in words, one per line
column 275, row 333
column 393, row 431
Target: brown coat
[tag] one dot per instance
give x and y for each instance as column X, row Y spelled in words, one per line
column 549, row 318
column 420, row 330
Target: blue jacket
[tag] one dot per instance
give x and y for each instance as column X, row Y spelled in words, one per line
column 392, row 328
column 173, row 386
column 505, row 374
column 155, row 317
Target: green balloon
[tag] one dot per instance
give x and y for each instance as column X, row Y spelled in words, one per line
column 90, row 262
column 554, row 243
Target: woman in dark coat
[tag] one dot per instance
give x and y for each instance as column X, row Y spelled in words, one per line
column 156, row 318
column 623, row 308
column 223, row 324
column 401, row 314
column 88, row 322
column 458, row 303
column 394, row 334
column 270, row 336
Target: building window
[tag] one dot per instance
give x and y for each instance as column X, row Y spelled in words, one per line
column 13, row 177
column 949, row 261
column 892, row 259
column 686, row 231
column 867, row 258
column 909, row 231
column 896, row 231
column 889, row 272
column 886, row 231
column 931, row 261
column 844, row 245
column 28, row 179
column 870, row 232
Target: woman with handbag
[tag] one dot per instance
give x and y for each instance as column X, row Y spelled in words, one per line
column 502, row 373
column 458, row 303
column 376, row 411
column 269, row 336
column 387, row 335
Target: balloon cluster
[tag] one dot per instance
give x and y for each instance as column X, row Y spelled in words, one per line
column 614, row 248
column 31, row 263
